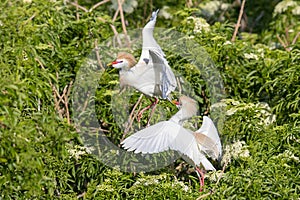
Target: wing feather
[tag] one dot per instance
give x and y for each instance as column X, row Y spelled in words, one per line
column 164, row 136
column 208, row 137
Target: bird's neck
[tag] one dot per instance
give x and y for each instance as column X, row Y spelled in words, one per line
column 182, row 115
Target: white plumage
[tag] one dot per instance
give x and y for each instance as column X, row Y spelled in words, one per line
column 152, row 74
column 172, row 135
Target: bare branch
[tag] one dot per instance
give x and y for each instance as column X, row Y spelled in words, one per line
column 98, row 4
column 120, row 2
column 282, row 43
column 98, row 56
column 238, row 24
column 77, row 14
column 66, row 98
column 78, row 6
column 116, row 34
column 295, row 38
column 116, row 15
column 130, row 119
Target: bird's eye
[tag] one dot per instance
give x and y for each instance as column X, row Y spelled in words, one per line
column 120, row 61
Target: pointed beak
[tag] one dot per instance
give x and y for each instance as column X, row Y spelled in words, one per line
column 112, row 63
column 109, row 64
column 175, row 103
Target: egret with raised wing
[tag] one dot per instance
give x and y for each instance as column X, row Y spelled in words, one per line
column 152, row 74
column 193, row 145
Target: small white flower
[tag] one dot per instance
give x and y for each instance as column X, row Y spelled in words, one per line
column 283, row 6
column 214, row 175
column 78, row 151
column 296, row 10
column 181, row 184
column 251, row 56
column 287, row 155
column 227, row 43
column 200, row 25
column 236, row 150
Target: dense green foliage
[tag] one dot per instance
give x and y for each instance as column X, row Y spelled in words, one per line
column 43, row 44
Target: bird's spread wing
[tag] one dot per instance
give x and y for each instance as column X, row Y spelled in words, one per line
column 207, row 136
column 153, row 56
column 164, row 136
column 154, row 139
column 167, row 77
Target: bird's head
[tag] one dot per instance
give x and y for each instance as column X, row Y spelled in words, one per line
column 123, row 61
column 188, row 105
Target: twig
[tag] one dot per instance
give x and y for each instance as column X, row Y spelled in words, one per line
column 79, row 6
column 116, row 15
column 116, row 34
column 130, row 119
column 81, row 195
column 30, row 18
column 237, row 26
column 77, row 14
column 120, row 2
column 98, row 56
column 286, row 38
column 66, row 97
column 282, row 42
column 98, row 4
column 295, row 38
column 122, row 16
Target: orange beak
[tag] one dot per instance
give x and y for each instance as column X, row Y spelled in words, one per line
column 176, row 102
column 112, row 63
column 109, row 64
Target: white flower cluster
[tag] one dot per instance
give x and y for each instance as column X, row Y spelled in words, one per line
column 286, row 4
column 158, row 179
column 288, row 155
column 213, row 176
column 251, row 56
column 200, row 24
column 150, row 180
column 227, row 43
column 212, row 7
column 105, row 187
column 79, row 151
column 181, row 184
column 146, row 182
column 262, row 110
column 236, row 150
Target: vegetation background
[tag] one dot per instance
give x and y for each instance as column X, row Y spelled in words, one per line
column 43, row 44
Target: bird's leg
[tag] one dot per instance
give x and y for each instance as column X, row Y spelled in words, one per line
column 152, row 111
column 147, row 108
column 200, row 174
